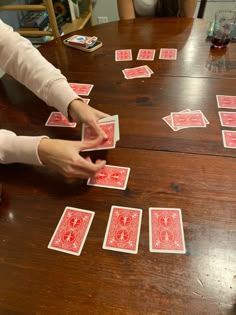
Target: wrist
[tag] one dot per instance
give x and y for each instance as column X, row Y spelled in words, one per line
column 73, row 109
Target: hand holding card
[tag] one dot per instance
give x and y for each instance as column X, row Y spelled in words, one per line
column 110, row 125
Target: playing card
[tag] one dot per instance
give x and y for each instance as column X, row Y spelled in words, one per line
column 117, row 128
column 227, row 119
column 167, row 120
column 57, row 119
column 166, row 233
column 190, row 119
column 81, row 88
column 146, row 54
column 168, row 53
column 137, row 72
column 123, row 55
column 88, row 133
column 71, row 231
column 225, row 101
column 229, row 139
column 123, row 230
column 111, row 176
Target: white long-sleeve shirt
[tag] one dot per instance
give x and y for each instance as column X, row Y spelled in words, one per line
column 25, row 63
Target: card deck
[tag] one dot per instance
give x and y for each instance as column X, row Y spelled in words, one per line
column 111, row 176
column 166, row 234
column 110, row 125
column 146, row 54
column 57, row 119
column 229, row 139
column 226, row 101
column 81, row 88
column 71, row 231
column 123, row 230
column 168, row 53
column 123, row 55
column 227, row 119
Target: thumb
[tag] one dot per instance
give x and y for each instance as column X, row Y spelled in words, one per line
column 90, row 144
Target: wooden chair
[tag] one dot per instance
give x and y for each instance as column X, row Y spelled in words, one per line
column 202, row 8
column 47, row 5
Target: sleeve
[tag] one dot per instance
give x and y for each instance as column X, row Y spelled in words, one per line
column 19, row 149
column 22, row 61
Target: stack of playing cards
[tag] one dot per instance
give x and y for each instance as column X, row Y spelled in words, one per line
column 227, row 119
column 137, row 72
column 166, row 234
column 110, row 125
column 186, row 119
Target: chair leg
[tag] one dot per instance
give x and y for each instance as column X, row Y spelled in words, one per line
column 202, row 9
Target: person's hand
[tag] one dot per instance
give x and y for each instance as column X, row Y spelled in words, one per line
column 80, row 111
column 63, row 156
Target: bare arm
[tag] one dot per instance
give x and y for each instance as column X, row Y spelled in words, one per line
column 189, row 7
column 126, row 9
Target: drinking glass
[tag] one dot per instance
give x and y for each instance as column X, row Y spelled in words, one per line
column 224, row 24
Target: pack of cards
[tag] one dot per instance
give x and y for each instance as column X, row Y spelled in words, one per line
column 111, row 176
column 123, row 230
column 186, row 119
column 81, row 88
column 137, row 72
column 110, row 125
column 71, row 231
column 168, row 53
column 166, row 234
column 57, row 119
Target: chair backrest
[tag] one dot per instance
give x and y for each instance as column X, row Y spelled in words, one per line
column 202, row 9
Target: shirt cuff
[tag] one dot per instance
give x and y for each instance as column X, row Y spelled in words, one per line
column 61, row 95
column 21, row 149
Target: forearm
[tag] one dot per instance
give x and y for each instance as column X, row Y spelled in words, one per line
column 189, row 7
column 19, row 149
column 126, row 9
column 24, row 62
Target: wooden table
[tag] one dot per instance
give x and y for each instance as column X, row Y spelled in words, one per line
column 188, row 169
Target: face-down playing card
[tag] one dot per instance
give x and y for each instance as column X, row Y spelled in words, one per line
column 123, row 230
column 71, row 231
column 166, row 233
column 111, row 176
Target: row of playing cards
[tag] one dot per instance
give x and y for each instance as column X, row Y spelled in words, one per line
column 146, row 54
column 166, row 233
column 227, row 119
column 137, row 72
column 110, row 125
column 186, row 119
